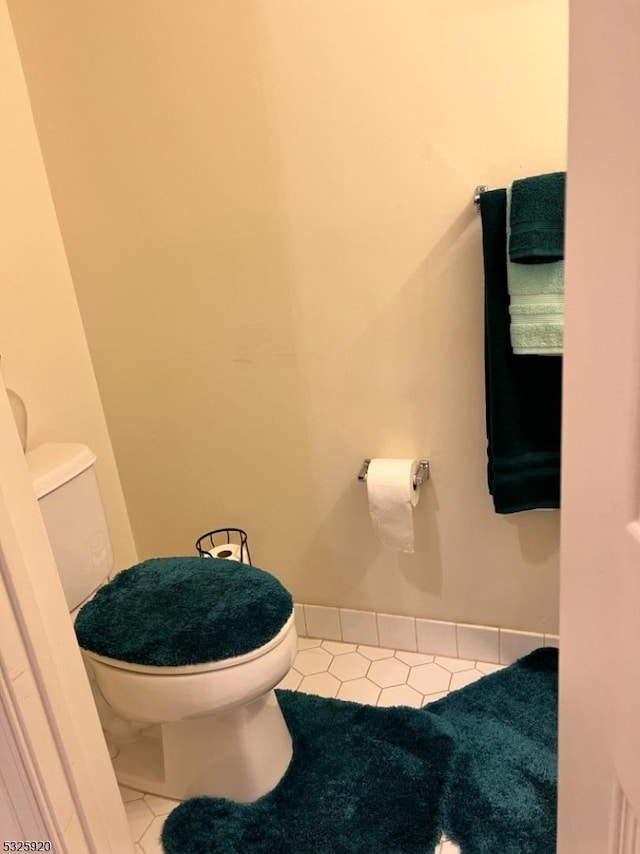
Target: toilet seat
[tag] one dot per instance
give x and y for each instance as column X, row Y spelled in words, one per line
column 188, row 669
column 180, row 693
column 166, row 614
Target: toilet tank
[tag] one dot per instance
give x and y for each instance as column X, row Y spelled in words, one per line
column 66, row 487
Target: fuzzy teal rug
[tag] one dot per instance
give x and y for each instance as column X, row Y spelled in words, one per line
column 501, row 794
column 362, row 779
column 479, row 765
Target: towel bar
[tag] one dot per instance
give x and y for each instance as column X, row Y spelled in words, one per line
column 419, row 478
column 482, row 188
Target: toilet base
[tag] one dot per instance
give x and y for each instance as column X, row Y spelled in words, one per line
column 240, row 754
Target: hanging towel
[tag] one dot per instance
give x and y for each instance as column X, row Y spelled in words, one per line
column 536, row 304
column 522, row 393
column 537, row 219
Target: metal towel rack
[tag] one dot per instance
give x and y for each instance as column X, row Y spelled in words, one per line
column 482, row 188
column 419, row 478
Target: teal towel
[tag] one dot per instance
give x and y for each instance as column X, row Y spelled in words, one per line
column 523, row 393
column 537, row 219
column 536, row 304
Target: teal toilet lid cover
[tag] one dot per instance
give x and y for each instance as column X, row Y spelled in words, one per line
column 174, row 611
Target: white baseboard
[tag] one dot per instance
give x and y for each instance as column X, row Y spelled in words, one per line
column 433, row 637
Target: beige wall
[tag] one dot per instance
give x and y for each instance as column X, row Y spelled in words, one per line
column 267, row 211
column 44, row 351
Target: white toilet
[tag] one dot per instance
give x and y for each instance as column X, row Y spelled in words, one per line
column 207, row 728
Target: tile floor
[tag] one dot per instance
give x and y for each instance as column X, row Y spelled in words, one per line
column 366, row 674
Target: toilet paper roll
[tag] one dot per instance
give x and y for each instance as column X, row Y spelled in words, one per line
column 229, row 551
column 391, row 501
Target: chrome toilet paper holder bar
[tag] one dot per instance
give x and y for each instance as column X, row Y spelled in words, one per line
column 419, row 478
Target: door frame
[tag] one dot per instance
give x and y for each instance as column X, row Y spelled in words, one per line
column 47, row 700
column 599, row 736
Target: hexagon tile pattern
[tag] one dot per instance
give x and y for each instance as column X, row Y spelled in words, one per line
column 365, row 674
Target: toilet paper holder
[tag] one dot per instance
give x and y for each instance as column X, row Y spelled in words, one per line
column 224, row 536
column 419, row 478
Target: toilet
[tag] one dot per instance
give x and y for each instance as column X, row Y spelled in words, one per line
column 183, row 652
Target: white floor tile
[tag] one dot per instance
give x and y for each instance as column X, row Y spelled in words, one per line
column 454, row 664
column 450, row 847
column 465, row 677
column 308, row 643
column 414, row 658
column 338, row 647
column 139, row 816
column 429, row 678
column 374, row 653
column 291, row 681
column 349, row 666
column 487, row 668
column 400, row 695
column 359, row 691
column 150, row 842
column 129, row 794
column 312, row 661
column 388, row 672
column 159, row 805
column 431, row 698
column 322, row 684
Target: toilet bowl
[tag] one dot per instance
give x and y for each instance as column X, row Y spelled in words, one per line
column 159, row 642
column 182, row 653
column 221, row 732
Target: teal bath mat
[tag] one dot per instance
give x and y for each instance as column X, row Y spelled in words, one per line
column 501, row 795
column 358, row 782
column 479, row 765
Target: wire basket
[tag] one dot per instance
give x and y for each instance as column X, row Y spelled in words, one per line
column 225, row 543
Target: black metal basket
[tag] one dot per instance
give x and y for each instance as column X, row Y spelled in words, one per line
column 220, row 537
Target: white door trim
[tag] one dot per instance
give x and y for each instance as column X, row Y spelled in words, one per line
column 43, row 686
column 599, row 725
column 21, row 813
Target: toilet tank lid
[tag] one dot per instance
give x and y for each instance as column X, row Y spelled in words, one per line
column 56, row 463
